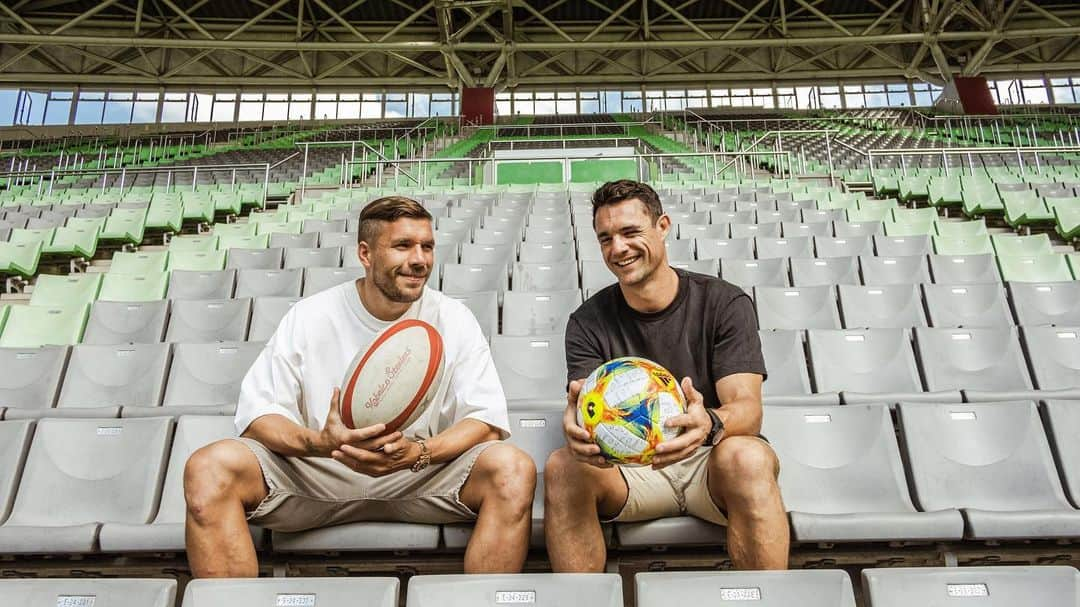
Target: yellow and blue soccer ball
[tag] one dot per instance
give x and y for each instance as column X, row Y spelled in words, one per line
column 623, row 405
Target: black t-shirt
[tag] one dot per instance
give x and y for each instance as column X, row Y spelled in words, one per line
column 708, row 332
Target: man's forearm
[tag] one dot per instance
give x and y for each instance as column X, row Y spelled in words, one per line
column 459, row 438
column 285, row 437
column 741, row 417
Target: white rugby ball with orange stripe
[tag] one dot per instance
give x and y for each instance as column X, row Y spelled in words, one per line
column 394, row 380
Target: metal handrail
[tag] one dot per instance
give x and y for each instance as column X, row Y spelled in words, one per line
column 944, row 153
column 284, row 160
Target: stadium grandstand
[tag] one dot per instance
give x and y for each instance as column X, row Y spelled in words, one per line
column 896, row 184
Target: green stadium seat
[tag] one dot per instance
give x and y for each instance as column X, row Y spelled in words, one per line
column 19, row 259
column 243, row 242
column 967, row 245
column 199, row 209
column 125, row 225
column 43, row 236
column 134, row 287
column 167, row 216
column 910, row 227
column 961, row 229
column 199, row 261
column 73, row 242
column 1008, row 244
column 227, row 202
column 945, row 192
column 222, row 230
column 1026, row 209
column 205, row 242
column 34, row 326
column 140, row 262
column 1034, row 268
column 70, row 290
column 981, row 200
column 1067, row 218
column 292, row 227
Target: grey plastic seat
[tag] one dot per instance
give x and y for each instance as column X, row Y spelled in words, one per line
column 323, row 225
column 1062, row 427
column 258, row 259
column 285, row 241
column 121, row 322
column 725, row 248
column 852, row 246
column 207, row 320
column 967, row 305
column 797, row 307
column 101, row 379
column 809, row 588
column 755, row 230
column 997, row 586
column 255, row 282
column 887, row 270
column 304, row 257
column 964, row 269
column 187, row 284
column 338, row 239
column 812, row 214
column 467, row 278
column 902, row 246
column 485, row 307
column 484, row 254
column 992, row 461
column 703, row 231
column 266, row 315
column 788, row 382
column 682, row 250
column 90, row 591
column 14, row 444
column 205, row 378
column 797, row 229
column 595, row 275
column 166, row 532
column 320, row 279
column 31, row 377
column 810, row 272
column 709, row 267
column 845, row 229
column 538, row 313
column 794, row 246
column 984, row 362
column 322, row 591
column 532, row 277
column 1054, row 353
column 80, row 473
column 1046, row 303
column 544, row 252
column 531, row 367
column 881, row 307
column 539, row 589
column 843, row 480
column 869, row 365
column 749, row 273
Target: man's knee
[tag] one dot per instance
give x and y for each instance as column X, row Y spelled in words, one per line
column 743, row 468
column 508, row 474
column 219, row 472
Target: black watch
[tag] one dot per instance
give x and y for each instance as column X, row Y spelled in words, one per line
column 717, row 430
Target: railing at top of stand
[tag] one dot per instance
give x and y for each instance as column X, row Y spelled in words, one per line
column 970, row 153
column 562, row 127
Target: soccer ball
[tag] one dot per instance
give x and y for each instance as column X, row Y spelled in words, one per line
column 623, row 405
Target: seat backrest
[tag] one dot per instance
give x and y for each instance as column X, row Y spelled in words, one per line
column 485, row 307
column 538, row 313
column 488, row 253
column 797, row 307
column 531, row 367
column 1063, row 426
column 377, row 591
column 14, row 444
column 115, row 375
column 1046, row 303
column 257, row 282
column 31, row 376
column 964, row 269
column 90, row 591
column 999, row 586
column 307, row 257
column 1054, row 353
column 262, row 259
column 747, row 273
column 187, row 284
column 320, row 279
column 847, row 246
column 266, row 315
column 192, row 433
column 209, row 320
column 808, row 588
column 975, row 358
column 988, row 456
column 82, row 471
column 902, row 246
column 785, row 361
column 881, row 307
column 119, row 322
column 725, row 248
column 544, row 589
column 466, row 278
column 888, row 270
column 291, row 241
column 810, row 272
column 788, row 246
column 967, row 305
column 537, row 432
column 863, row 360
column 531, row 277
column 209, row 374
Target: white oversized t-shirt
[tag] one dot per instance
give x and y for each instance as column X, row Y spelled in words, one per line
column 308, row 354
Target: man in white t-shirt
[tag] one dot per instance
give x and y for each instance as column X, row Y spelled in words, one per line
column 296, row 466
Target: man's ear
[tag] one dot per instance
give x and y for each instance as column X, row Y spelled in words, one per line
column 664, row 224
column 363, row 251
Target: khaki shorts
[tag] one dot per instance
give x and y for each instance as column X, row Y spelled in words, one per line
column 309, row 492
column 676, row 490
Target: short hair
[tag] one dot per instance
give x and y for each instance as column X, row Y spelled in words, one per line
column 614, row 192
column 388, row 209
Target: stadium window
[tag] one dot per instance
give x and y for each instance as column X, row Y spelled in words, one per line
column 201, row 107
column 397, row 105
column 371, row 105
column 675, row 100
column 853, row 96
column 899, row 95
column 33, row 110
column 697, row 98
column 806, row 97
column 763, row 98
column 90, row 107
column 924, row 93
column 829, row 96
column 326, row 106
column 8, row 100
column 523, row 102
column 874, row 95
column 175, row 107
column 1062, row 91
column 631, row 102
column 58, row 108
column 590, row 102
column 348, row 107
column 654, row 101
column 420, row 104
column 300, row 106
column 251, row 107
column 442, row 104
column 785, row 96
column 224, row 107
column 611, row 102
column 502, row 104
column 1034, row 92
column 276, row 107
column 545, row 103
column 719, row 97
column 741, row 98
column 117, row 108
column 566, row 103
column 144, row 110
column 1008, row 92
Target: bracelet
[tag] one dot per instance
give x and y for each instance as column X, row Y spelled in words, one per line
column 425, row 456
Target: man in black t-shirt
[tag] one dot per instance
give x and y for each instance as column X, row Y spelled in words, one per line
column 702, row 329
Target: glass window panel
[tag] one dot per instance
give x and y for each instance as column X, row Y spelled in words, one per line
column 566, row 106
column 631, row 101
column 372, row 97
column 829, row 100
column 225, row 97
column 349, row 97
column 301, row 96
column 251, row 97
column 396, row 108
column 348, row 110
column 326, row 97
column 1035, row 94
column 35, row 108
column 275, row 110
column 421, row 104
column 325, row 110
column 502, row 106
column 174, row 111
column 524, row 106
column 89, row 111
column 1063, row 94
column 223, row 111
column 56, row 112
column 202, row 107
column 612, row 101
column 854, row 100
column 806, row 97
column 176, row 97
column 277, row 97
column 118, row 96
column 370, row 109
column 144, row 112
column 250, row 111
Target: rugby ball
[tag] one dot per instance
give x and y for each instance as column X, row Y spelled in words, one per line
column 394, row 380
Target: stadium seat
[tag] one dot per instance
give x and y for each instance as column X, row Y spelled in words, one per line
column 1025, row 246
column 320, row 279
column 788, row 381
column 196, row 261
column 62, row 291
column 90, row 592
column 749, row 273
column 376, row 591
column 255, row 259
column 192, row 284
column 467, row 278
column 338, row 239
column 540, row 589
column 484, row 305
column 797, row 307
column 253, row 282
column 986, row 363
column 725, row 248
column 323, row 226
column 208, row 320
column 266, row 315
column 798, row 246
column 542, row 252
column 539, row 313
column 681, row 250
column 32, row 326
column 709, row 267
column 998, row 586
column 992, row 461
column 595, row 275
column 1062, row 425
column 1054, row 353
column 118, row 322
column 1049, row 303
column 166, row 532
column 485, row 254
column 811, row 272
column 134, row 287
column 888, row 270
column 796, row 229
column 967, row 305
column 881, row 307
column 204, row 379
column 705, row 231
column 101, row 379
column 845, row 229
column 80, row 473
column 1035, row 268
column 531, row 367
column 534, row 277
column 964, row 269
column 755, row 230
column 819, row 588
column 854, row 246
column 843, row 480
column 142, row 262
column 902, row 246
column 303, row 257
column 971, row 245
column 285, row 241
column 14, row 443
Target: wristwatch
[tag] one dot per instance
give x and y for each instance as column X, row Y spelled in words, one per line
column 425, row 456
column 717, row 430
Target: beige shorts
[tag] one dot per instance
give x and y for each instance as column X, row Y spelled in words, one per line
column 309, row 492
column 676, row 490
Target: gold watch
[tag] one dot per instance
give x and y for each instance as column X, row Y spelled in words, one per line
column 425, row 456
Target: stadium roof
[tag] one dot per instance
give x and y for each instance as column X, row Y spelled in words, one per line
column 397, row 44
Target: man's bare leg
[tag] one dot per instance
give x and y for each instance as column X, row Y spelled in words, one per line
column 500, row 490
column 221, row 482
column 576, row 496
column 742, row 477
